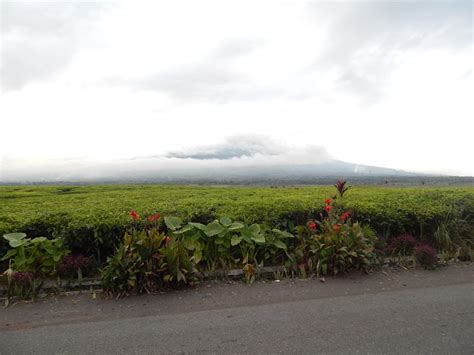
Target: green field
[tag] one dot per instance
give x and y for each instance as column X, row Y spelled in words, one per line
column 97, row 215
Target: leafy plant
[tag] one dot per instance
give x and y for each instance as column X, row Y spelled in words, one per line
column 403, row 245
column 148, row 260
column 76, row 265
column 335, row 244
column 342, row 187
column 426, row 255
column 31, row 261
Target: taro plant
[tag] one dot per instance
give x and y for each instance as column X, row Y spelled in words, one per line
column 36, row 259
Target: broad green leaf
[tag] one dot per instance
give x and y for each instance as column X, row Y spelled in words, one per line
column 258, row 238
column 173, row 223
column 39, row 240
column 197, row 256
column 9, row 254
column 16, row 239
column 213, row 229
column 185, row 229
column 225, row 221
column 254, row 228
column 236, row 226
column 279, row 244
column 235, row 240
column 283, row 234
column 199, row 226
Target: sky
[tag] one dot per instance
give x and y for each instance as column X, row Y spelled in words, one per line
column 180, row 83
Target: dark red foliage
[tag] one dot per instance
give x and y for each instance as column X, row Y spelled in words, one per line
column 23, row 278
column 426, row 255
column 72, row 263
column 342, row 187
column 402, row 245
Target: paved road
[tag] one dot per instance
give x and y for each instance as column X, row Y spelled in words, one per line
column 385, row 319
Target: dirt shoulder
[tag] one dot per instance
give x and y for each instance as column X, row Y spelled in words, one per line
column 77, row 308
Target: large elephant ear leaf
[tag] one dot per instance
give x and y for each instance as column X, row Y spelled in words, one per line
column 235, row 240
column 225, row 221
column 16, row 239
column 173, row 223
column 214, row 228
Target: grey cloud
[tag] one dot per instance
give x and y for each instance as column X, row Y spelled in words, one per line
column 236, row 47
column 195, row 81
column 233, row 147
column 382, row 29
column 40, row 39
column 213, row 78
column 241, row 151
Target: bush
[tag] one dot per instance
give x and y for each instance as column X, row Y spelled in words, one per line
column 77, row 265
column 335, row 244
column 146, row 261
column 31, row 261
column 92, row 219
column 403, row 245
column 426, row 255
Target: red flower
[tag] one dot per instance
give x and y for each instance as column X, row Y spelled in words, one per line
column 336, row 228
column 312, row 226
column 134, row 215
column 328, row 208
column 302, row 265
column 328, row 201
column 344, row 216
column 154, row 217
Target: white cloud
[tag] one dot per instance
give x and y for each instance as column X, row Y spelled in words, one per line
column 377, row 83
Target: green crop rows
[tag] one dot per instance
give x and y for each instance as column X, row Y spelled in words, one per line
column 94, row 217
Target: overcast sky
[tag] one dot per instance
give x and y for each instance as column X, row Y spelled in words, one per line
column 379, row 83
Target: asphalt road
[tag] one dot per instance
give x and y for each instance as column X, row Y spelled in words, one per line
column 391, row 313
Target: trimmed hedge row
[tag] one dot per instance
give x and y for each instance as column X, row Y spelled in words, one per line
column 92, row 219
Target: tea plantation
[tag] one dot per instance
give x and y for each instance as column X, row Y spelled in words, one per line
column 95, row 217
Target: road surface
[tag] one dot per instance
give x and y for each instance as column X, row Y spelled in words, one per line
column 402, row 312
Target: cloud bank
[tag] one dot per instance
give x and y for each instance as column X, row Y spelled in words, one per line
column 243, row 151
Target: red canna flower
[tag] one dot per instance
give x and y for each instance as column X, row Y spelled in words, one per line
column 134, row 215
column 344, row 216
column 328, row 208
column 303, row 265
column 312, row 226
column 154, row 217
column 328, row 201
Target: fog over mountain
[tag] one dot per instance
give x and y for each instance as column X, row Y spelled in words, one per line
column 237, row 157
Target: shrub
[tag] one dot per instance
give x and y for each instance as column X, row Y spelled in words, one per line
column 403, row 245
column 426, row 255
column 40, row 256
column 77, row 265
column 31, row 261
column 147, row 260
column 22, row 284
column 336, row 244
